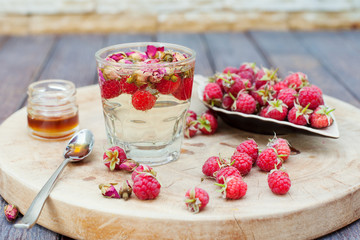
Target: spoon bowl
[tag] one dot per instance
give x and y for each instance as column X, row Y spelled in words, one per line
column 78, row 148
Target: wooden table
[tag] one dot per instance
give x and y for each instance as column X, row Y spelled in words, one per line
column 331, row 60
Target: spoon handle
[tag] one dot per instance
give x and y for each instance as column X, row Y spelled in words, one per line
column 37, row 205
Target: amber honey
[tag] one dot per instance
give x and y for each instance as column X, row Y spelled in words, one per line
column 52, row 109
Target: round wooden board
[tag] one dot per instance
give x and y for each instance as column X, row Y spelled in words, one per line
column 324, row 195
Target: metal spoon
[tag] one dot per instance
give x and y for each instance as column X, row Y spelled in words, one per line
column 78, row 148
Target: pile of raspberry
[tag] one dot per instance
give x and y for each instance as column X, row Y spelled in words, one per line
column 229, row 173
column 253, row 90
column 152, row 76
column 206, row 123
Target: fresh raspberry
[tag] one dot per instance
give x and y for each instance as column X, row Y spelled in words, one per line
column 234, row 85
column 317, row 88
column 191, row 113
column 288, row 96
column 167, row 86
column 212, row 165
column 264, row 94
column 279, row 181
column 143, row 169
column 230, row 70
column 212, row 94
column 146, row 186
column 227, row 102
column 226, row 172
column 208, row 123
column 233, row 188
column 275, row 110
column 249, row 147
column 268, row 160
column 296, row 80
column 143, row 100
column 280, row 86
column 282, row 147
column 321, row 117
column 245, row 103
column 299, row 115
column 191, row 127
column 266, row 76
column 310, row 95
column 110, row 89
column 248, row 75
column 183, row 92
column 114, row 157
column 196, row 199
column 247, row 84
column 242, row 162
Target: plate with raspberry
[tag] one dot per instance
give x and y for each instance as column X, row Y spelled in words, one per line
column 265, row 104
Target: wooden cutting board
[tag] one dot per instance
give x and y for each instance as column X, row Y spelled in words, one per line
column 324, row 195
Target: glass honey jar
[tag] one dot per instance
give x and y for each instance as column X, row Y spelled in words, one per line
column 52, row 112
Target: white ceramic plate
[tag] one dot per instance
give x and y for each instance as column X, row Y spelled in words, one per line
column 255, row 123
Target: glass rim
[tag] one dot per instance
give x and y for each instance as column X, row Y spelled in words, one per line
column 71, row 88
column 192, row 54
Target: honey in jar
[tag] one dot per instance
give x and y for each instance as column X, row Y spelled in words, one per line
column 52, row 109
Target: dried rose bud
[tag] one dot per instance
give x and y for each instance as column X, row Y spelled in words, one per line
column 11, row 212
column 129, row 165
column 110, row 72
column 108, row 190
column 152, row 51
column 125, row 190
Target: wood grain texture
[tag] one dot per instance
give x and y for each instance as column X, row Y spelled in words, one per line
column 352, row 38
column 285, row 51
column 73, row 59
column 322, row 198
column 21, row 60
column 194, row 41
column 339, row 58
column 113, row 39
column 232, row 49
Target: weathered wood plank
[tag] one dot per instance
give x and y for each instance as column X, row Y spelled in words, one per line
column 232, row 49
column 3, row 39
column 195, row 42
column 351, row 231
column 21, row 60
column 338, row 58
column 7, row 231
column 113, row 39
column 285, row 51
column 352, row 38
column 74, row 59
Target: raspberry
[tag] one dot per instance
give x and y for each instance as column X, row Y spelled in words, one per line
column 129, row 88
column 321, row 117
column 146, row 186
column 279, row 181
column 268, row 160
column 264, row 94
column 207, row 123
column 288, row 96
column 280, row 86
column 296, row 80
column 191, row 127
column 275, row 110
column 167, row 86
column 143, row 169
column 310, row 95
column 247, row 71
column 226, row 172
column 233, row 188
column 234, row 85
column 191, row 113
column 228, row 70
column 282, row 147
column 317, row 89
column 299, row 115
column 183, row 92
column 196, row 199
column 249, row 147
column 227, row 102
column 245, row 103
column 212, row 165
column 265, row 76
column 242, row 162
column 212, row 94
column 143, row 100
column 110, row 89
column 114, row 157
